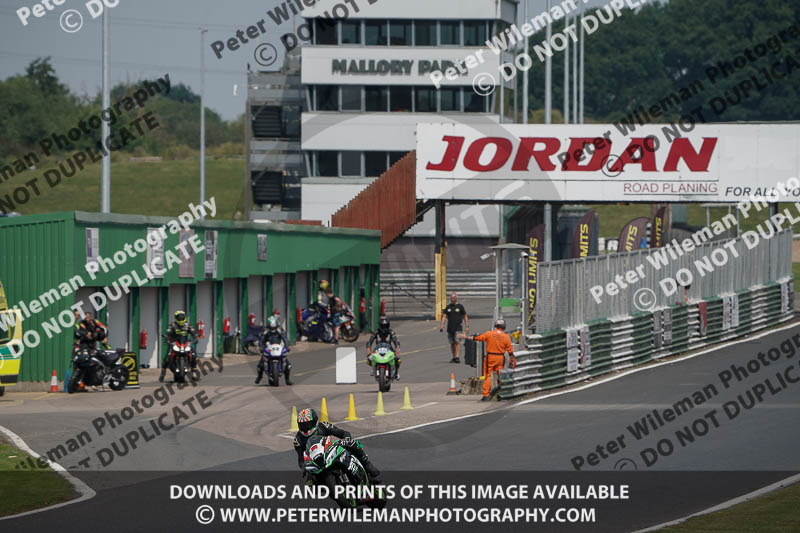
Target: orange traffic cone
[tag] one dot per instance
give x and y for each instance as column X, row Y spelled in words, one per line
column 452, row 385
column 54, row 382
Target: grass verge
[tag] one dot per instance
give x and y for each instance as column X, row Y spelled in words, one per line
column 776, row 512
column 25, row 490
column 163, row 189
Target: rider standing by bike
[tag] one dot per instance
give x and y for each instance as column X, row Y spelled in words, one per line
column 87, row 333
column 330, row 303
column 179, row 328
column 385, row 334
column 274, row 335
column 309, row 425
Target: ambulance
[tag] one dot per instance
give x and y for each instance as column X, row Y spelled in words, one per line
column 11, row 346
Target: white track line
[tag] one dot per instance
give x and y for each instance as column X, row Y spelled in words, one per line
column 85, row 491
column 730, row 503
column 623, row 373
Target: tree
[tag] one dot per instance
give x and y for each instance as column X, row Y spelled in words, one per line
column 44, row 77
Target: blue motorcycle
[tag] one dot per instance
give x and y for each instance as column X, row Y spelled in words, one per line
column 315, row 324
column 274, row 363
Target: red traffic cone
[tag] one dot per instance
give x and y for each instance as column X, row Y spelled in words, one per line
column 54, row 382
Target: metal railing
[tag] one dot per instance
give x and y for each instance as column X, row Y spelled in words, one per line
column 564, row 295
column 411, row 293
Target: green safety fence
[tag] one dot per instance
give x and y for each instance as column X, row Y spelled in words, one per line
column 561, row 357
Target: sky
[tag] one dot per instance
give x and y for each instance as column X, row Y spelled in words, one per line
column 148, row 38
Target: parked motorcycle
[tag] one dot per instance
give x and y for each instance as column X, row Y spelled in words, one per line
column 180, row 357
column 331, row 464
column 252, row 342
column 273, row 360
column 383, row 361
column 314, row 324
column 346, row 321
column 98, row 367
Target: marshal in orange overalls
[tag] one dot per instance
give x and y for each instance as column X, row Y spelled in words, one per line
column 497, row 343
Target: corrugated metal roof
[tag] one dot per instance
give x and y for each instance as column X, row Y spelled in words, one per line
column 142, row 220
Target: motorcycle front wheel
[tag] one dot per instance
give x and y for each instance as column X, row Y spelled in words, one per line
column 274, row 375
column 331, row 480
column 72, row 386
column 384, row 383
column 380, row 501
column 350, row 333
column 180, row 371
column 119, row 378
column 327, row 333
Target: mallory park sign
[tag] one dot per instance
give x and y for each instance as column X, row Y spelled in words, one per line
column 390, row 67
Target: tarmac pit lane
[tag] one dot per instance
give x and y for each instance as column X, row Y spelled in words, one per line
column 601, row 452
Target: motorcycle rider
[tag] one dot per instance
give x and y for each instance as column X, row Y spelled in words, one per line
column 179, row 328
column 102, row 334
column 330, row 303
column 309, row 425
column 385, row 334
column 276, row 314
column 77, row 331
column 88, row 333
column 274, row 335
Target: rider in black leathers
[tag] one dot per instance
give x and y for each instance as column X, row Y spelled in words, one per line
column 385, row 334
column 179, row 328
column 88, row 333
column 309, row 425
column 274, row 335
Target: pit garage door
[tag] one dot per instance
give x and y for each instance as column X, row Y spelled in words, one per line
column 255, row 297
column 279, row 296
column 303, row 293
column 230, row 302
column 205, row 312
column 118, row 321
column 177, row 300
column 148, row 320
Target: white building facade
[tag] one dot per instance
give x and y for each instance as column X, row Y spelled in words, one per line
column 367, row 83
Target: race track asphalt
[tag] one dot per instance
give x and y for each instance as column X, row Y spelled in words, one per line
column 710, row 452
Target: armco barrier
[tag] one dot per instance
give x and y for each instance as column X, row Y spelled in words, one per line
column 608, row 345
